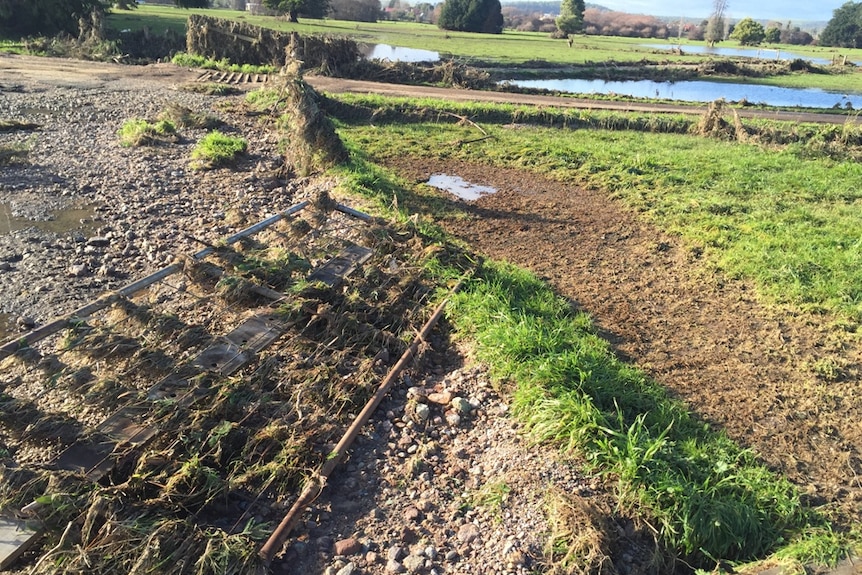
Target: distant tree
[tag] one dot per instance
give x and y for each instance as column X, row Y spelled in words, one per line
column 125, row 4
column 356, row 10
column 571, row 18
column 845, row 27
column 796, row 36
column 748, row 32
column 472, row 16
column 192, row 3
column 295, row 8
column 20, row 18
column 715, row 26
column 772, row 35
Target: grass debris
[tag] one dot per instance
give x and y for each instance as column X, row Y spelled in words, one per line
column 217, row 149
column 139, row 132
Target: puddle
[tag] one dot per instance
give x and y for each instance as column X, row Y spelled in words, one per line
column 459, row 186
column 61, row 220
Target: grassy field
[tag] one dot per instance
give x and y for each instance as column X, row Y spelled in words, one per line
column 708, row 499
column 785, row 217
column 509, row 48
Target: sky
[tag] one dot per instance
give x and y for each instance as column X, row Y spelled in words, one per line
column 782, row 10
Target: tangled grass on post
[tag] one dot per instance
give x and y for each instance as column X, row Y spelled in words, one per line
column 140, row 132
column 216, row 150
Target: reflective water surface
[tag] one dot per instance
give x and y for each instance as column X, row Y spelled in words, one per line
column 399, row 54
column 702, row 91
column 459, row 186
column 62, row 220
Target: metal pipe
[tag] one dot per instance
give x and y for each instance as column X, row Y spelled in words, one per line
column 11, row 347
column 315, row 484
column 355, row 213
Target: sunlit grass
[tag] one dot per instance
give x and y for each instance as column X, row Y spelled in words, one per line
column 786, row 218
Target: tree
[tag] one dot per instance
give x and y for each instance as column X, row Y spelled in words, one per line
column 715, row 26
column 748, row 32
column 356, row 10
column 845, row 27
column 20, row 18
column 125, row 4
column 772, row 35
column 296, row 8
column 484, row 16
column 571, row 18
column 192, row 3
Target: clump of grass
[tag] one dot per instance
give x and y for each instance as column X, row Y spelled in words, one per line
column 225, row 65
column 11, row 154
column 140, row 132
column 217, row 149
column 210, row 88
column 579, row 538
column 187, row 118
column 264, row 99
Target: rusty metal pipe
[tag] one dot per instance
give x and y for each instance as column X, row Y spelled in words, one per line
column 314, row 486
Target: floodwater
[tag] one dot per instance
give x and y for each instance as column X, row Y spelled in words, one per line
column 701, row 91
column 61, row 220
column 459, row 186
column 399, row 54
column 764, row 53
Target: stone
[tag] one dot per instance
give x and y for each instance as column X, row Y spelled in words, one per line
column 348, row 569
column 78, row 270
column 349, row 546
column 453, row 418
column 414, row 563
column 395, row 553
column 440, row 398
column 423, row 412
column 393, row 566
column 468, row 532
column 461, row 405
column 412, row 514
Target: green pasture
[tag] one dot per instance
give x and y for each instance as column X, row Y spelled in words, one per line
column 709, row 500
column 509, row 48
column 787, row 217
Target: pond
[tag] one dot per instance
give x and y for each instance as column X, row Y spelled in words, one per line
column 701, row 91
column 764, row 53
column 459, row 186
column 398, row 53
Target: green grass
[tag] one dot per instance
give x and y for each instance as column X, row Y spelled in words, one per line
column 708, row 498
column 217, row 149
column 786, row 218
column 140, row 132
column 196, row 61
column 511, row 47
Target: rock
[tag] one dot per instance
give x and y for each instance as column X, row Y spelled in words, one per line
column 395, row 553
column 414, row 563
column 349, row 546
column 348, row 569
column 453, row 418
column 5, row 267
column 461, row 405
column 78, row 270
column 430, row 552
column 440, row 398
column 412, row 514
column 25, row 322
column 394, row 567
column 423, row 412
column 468, row 532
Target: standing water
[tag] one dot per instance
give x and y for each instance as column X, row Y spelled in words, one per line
column 399, row 54
column 459, row 186
column 61, row 220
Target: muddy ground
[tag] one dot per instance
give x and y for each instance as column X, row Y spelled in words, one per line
column 783, row 383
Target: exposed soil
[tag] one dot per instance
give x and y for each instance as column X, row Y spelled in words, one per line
column 781, row 383
column 784, row 384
